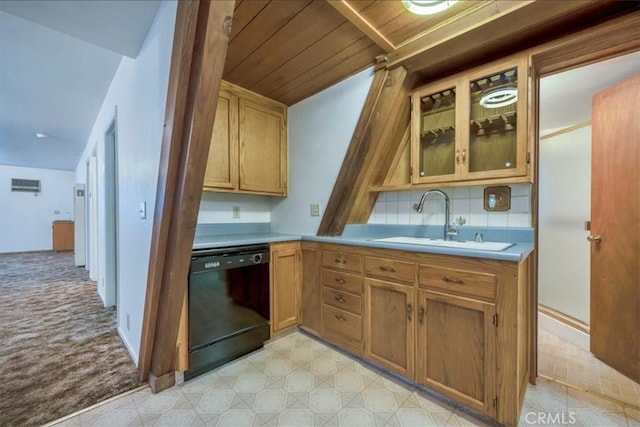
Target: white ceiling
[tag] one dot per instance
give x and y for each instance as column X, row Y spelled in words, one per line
column 565, row 98
column 57, row 59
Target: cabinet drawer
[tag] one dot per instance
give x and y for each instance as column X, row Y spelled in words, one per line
column 342, row 261
column 396, row 270
column 342, row 300
column 343, row 281
column 472, row 283
column 341, row 323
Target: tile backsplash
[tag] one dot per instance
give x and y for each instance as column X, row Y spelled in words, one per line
column 396, row 207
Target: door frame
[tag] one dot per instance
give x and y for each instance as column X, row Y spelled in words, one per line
column 111, row 273
column 609, row 40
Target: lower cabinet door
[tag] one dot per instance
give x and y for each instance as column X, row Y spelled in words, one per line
column 455, row 352
column 389, row 333
column 285, row 285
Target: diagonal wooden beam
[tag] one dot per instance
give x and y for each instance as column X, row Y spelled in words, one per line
column 377, row 137
column 199, row 50
column 362, row 24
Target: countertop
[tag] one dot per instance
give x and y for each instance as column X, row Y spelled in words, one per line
column 211, row 236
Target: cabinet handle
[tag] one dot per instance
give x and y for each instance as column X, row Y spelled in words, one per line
column 340, row 260
column 450, row 280
column 340, row 318
column 457, row 157
column 389, row 269
column 464, row 156
column 341, row 281
column 409, row 310
column 339, row 298
column 421, row 314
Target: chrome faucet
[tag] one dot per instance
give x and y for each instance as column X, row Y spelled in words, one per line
column 449, row 230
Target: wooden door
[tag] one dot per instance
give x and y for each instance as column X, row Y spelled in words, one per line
column 263, row 148
column 222, row 163
column 311, row 302
column 455, row 348
column 615, row 227
column 285, row 285
column 389, row 330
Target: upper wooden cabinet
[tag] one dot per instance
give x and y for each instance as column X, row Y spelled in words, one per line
column 248, row 152
column 222, row 163
column 472, row 126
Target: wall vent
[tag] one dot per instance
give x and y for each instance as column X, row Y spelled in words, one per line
column 26, row 185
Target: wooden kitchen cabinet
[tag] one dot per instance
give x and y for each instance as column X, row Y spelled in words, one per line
column 62, row 232
column 389, row 325
column 222, row 163
column 263, row 147
column 286, row 274
column 458, row 325
column 248, row 151
column 311, row 287
column 455, row 348
column 456, row 137
column 342, row 289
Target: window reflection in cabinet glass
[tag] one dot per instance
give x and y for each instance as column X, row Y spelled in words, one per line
column 492, row 139
column 437, row 133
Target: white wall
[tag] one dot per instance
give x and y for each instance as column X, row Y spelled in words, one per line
column 396, row 207
column 565, row 203
column 25, row 218
column 218, row 208
column 320, row 130
column 138, row 90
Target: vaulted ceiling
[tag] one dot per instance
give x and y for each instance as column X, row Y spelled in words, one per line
column 287, row 50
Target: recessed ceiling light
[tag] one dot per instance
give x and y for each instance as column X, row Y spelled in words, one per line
column 42, row 135
column 427, row 7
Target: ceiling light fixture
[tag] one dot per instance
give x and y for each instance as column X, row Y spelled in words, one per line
column 427, row 7
column 500, row 96
column 42, row 135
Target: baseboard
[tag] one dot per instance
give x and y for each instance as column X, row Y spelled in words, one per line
column 561, row 329
column 128, row 346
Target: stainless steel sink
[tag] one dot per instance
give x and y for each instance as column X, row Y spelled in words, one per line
column 458, row 244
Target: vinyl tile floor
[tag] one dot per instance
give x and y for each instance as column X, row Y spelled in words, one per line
column 299, row 381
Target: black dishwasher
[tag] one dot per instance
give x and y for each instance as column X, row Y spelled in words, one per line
column 228, row 305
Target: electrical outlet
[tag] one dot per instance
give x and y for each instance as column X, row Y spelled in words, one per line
column 56, row 212
column 315, row 209
column 236, row 212
column 128, row 322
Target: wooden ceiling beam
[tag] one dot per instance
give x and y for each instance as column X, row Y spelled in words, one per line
column 362, row 24
column 199, row 49
column 376, row 139
column 484, row 29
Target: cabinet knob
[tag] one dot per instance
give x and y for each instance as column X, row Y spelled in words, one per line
column 409, row 311
column 341, row 281
column 457, row 157
column 340, row 260
column 421, row 314
column 464, row 156
column 387, row 269
column 339, row 299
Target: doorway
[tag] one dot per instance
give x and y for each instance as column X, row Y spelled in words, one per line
column 111, row 214
column 564, row 215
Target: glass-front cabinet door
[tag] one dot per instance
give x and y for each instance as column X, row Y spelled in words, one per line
column 495, row 142
column 472, row 126
column 434, row 114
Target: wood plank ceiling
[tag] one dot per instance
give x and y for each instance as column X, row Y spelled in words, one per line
column 289, row 50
